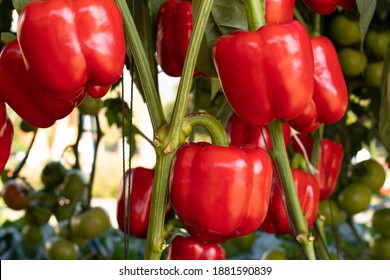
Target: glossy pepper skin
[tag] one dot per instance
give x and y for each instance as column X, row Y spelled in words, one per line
column 326, row 7
column 267, row 74
column 20, row 90
column 6, row 136
column 308, row 193
column 140, row 199
column 241, row 133
column 279, row 10
column 330, row 96
column 187, row 248
column 70, row 44
column 329, row 162
column 220, row 192
column 174, row 28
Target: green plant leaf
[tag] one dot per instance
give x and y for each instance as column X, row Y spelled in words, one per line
column 366, row 9
column 229, row 15
column 384, row 114
column 20, row 4
column 7, row 37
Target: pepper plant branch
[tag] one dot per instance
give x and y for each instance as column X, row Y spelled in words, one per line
column 211, row 124
column 179, row 110
column 146, row 77
column 320, row 241
column 300, row 228
column 155, row 242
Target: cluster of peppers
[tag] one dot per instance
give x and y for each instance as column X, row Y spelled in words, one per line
column 64, row 50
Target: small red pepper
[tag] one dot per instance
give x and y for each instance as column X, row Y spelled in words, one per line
column 20, row 90
column 70, row 44
column 174, row 28
column 6, row 136
column 220, row 192
column 186, row 248
column 140, row 199
column 241, row 133
column 308, row 193
column 329, row 162
column 279, row 10
column 326, row 7
column 267, row 74
column 330, row 97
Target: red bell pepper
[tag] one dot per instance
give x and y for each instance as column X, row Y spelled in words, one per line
column 267, row 74
column 70, row 44
column 279, row 10
column 220, row 192
column 330, row 97
column 20, row 90
column 6, row 136
column 140, row 199
column 329, row 162
column 326, row 7
column 308, row 193
column 174, row 28
column 186, row 248
column 241, row 133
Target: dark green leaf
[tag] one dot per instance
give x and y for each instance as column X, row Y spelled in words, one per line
column 229, row 15
column 7, row 37
column 366, row 9
column 20, row 4
column 384, row 114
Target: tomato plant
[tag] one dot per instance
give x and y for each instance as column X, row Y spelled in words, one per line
column 91, row 223
column 15, row 195
column 59, row 248
column 371, row 173
column 353, row 62
column 354, row 198
column 381, row 221
column 345, row 31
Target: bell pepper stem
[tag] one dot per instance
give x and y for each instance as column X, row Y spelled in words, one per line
column 179, row 110
column 141, row 61
column 211, row 124
column 279, row 155
column 155, row 242
column 254, row 11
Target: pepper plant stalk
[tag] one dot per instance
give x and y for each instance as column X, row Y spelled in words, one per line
column 255, row 16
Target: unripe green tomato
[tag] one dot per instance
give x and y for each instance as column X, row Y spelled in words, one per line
column 92, row 223
column 345, row 31
column 381, row 221
column 370, row 173
column 53, row 174
column 74, row 184
column 373, row 74
column 380, row 248
column 90, row 106
column 244, row 243
column 354, row 198
column 32, row 234
column 274, row 254
column 378, row 42
column 58, row 248
column 353, row 63
column 331, row 212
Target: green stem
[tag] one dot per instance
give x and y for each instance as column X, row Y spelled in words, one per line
column 317, row 25
column 24, row 160
column 293, row 206
column 141, row 61
column 155, row 242
column 181, row 102
column 316, row 149
column 299, row 17
column 254, row 14
column 320, row 239
column 75, row 147
column 211, row 124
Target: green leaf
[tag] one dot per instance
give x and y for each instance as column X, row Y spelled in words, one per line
column 20, row 4
column 384, row 114
column 7, row 37
column 366, row 9
column 229, row 15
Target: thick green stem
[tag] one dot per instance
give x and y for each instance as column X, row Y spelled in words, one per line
column 211, row 124
column 293, row 206
column 254, row 14
column 141, row 61
column 181, row 102
column 155, row 242
column 316, row 149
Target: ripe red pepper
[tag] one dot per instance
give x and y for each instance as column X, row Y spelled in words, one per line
column 140, row 199
column 6, row 136
column 174, row 28
column 325, row 7
column 279, row 10
column 20, row 90
column 330, row 97
column 329, row 162
column 308, row 193
column 70, row 44
column 220, row 192
column 267, row 74
column 186, row 248
column 241, row 133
